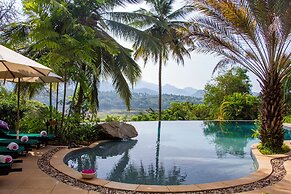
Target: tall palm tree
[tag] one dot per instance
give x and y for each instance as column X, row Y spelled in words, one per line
column 72, row 37
column 256, row 35
column 163, row 24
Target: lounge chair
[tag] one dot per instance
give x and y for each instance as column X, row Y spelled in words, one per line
column 31, row 136
column 6, row 168
column 13, row 153
column 27, row 145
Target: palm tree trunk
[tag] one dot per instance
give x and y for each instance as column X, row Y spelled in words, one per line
column 79, row 100
column 73, row 99
column 272, row 112
column 64, row 99
column 160, row 87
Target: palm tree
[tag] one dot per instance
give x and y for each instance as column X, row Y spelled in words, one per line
column 72, row 37
column 256, row 35
column 163, row 24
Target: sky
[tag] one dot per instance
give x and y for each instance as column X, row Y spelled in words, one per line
column 195, row 72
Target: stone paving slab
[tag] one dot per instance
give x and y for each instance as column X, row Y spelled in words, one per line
column 34, row 181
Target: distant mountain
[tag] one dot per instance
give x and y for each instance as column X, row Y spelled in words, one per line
column 145, row 91
column 152, row 89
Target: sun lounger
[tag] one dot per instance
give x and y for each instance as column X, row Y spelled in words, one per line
column 31, row 136
column 27, row 145
column 13, row 153
column 6, row 168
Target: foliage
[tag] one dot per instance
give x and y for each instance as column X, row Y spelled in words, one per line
column 112, row 118
column 255, row 35
column 234, row 80
column 239, row 107
column 76, row 132
column 8, row 107
column 177, row 111
column 270, row 151
column 287, row 119
column 35, row 117
column 33, row 114
column 77, row 46
column 287, row 90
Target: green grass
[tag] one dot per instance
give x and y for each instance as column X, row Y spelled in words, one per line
column 268, row 151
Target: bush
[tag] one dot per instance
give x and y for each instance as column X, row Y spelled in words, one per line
column 239, row 106
column 35, row 117
column 270, row 151
column 79, row 133
column 287, row 119
column 8, row 107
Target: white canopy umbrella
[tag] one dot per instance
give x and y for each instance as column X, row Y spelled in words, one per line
column 50, row 78
column 14, row 65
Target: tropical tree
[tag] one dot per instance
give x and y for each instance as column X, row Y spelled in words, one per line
column 239, row 106
column 256, row 35
column 235, row 80
column 72, row 37
column 163, row 24
column 8, row 12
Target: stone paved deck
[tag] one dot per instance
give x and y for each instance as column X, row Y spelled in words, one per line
column 33, row 181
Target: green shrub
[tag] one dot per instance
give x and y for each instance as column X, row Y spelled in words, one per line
column 77, row 132
column 34, row 118
column 287, row 119
column 239, row 106
column 270, row 151
column 8, row 107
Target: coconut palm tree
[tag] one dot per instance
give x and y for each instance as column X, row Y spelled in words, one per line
column 256, row 35
column 73, row 37
column 163, row 24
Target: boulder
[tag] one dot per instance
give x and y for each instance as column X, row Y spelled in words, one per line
column 116, row 130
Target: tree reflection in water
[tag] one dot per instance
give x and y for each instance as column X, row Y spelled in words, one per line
column 124, row 170
column 156, row 174
column 229, row 137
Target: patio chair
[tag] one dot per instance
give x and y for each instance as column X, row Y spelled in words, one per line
column 6, row 168
column 8, row 134
column 13, row 153
column 27, row 145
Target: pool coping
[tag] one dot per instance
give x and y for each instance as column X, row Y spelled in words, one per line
column 265, row 169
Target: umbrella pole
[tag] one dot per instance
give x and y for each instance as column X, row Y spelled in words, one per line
column 57, row 97
column 51, row 106
column 18, row 106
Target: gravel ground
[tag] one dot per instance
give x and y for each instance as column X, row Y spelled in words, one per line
column 277, row 175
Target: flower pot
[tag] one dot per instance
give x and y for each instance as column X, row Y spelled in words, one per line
column 88, row 175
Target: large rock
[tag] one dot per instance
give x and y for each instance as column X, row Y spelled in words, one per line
column 116, row 130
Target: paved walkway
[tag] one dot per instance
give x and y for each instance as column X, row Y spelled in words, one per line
column 33, row 181
column 282, row 187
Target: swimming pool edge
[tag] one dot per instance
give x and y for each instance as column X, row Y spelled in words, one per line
column 264, row 171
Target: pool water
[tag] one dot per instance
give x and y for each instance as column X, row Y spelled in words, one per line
column 173, row 153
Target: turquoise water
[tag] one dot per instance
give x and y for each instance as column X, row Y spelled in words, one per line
column 179, row 153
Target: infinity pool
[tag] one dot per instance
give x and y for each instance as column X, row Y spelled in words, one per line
column 174, row 153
